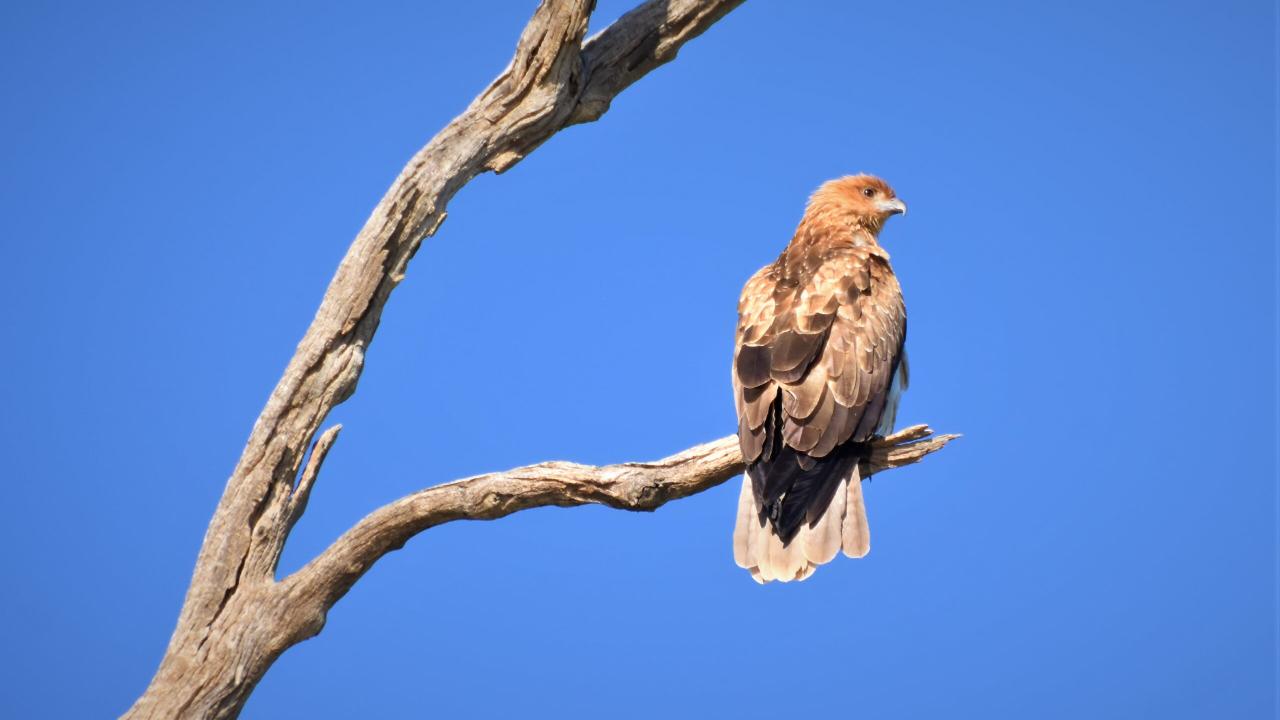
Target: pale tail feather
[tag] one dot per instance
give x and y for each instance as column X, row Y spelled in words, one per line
column 746, row 527
column 759, row 558
column 788, row 560
column 843, row 525
column 824, row 539
column 856, row 540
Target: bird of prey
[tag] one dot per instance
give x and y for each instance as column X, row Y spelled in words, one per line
column 818, row 368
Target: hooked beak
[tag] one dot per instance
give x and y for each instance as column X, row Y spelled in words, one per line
column 892, row 207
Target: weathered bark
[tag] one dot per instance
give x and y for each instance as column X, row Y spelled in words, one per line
column 236, row 618
column 628, row 486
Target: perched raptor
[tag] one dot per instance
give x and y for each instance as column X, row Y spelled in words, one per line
column 818, row 369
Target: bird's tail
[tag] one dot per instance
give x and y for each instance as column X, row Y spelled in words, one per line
column 842, row 526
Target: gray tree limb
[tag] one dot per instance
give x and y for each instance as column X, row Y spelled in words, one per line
column 237, row 618
column 628, row 486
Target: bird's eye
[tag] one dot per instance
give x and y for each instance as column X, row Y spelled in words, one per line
column 869, row 192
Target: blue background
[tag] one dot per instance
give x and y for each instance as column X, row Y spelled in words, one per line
column 1089, row 265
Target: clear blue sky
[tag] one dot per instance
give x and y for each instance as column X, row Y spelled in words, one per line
column 1089, row 265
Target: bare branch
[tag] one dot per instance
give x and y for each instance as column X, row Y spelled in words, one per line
column 234, row 620
column 648, row 36
column 628, row 486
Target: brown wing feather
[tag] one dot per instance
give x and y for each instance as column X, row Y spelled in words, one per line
column 836, row 333
column 754, row 392
column 856, row 362
column 817, row 345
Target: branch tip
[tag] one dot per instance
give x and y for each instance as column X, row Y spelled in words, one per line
column 308, row 478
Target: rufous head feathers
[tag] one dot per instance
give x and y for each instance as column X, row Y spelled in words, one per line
column 863, row 200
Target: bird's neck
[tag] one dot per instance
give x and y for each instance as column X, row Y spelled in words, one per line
column 813, row 243
column 864, row 235
column 834, row 229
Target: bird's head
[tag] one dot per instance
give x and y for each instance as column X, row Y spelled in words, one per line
column 862, row 199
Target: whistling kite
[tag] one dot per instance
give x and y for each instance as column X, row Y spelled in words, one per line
column 818, row 369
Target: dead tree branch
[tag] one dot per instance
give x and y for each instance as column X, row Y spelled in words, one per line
column 236, row 618
column 627, row 486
